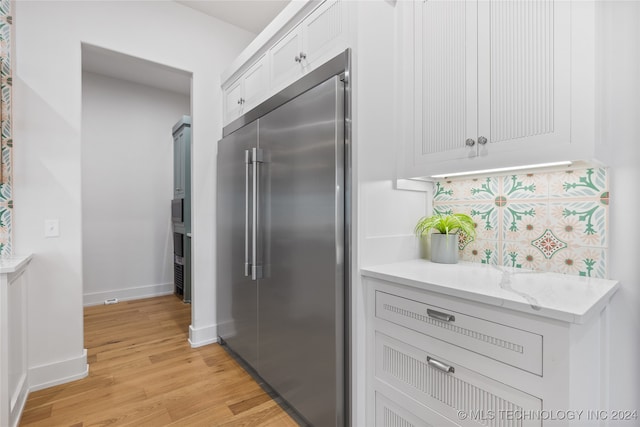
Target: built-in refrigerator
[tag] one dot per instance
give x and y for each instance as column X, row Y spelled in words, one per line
column 282, row 244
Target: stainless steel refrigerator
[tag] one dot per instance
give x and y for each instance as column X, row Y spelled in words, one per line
column 282, row 244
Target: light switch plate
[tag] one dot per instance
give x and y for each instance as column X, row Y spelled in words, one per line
column 51, row 228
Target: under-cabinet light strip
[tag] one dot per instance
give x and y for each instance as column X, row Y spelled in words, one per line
column 506, row 169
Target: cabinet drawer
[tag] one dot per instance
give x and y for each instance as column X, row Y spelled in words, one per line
column 391, row 414
column 509, row 345
column 460, row 391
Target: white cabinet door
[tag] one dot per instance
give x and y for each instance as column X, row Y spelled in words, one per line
column 492, row 84
column 319, row 37
column 445, row 81
column 524, row 75
column 323, row 33
column 247, row 91
column 233, row 101
column 256, row 84
column 285, row 59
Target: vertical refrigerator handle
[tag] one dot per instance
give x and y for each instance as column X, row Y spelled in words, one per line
column 247, row 167
column 256, row 267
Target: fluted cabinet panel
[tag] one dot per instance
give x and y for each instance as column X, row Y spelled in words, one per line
column 392, row 414
column 444, row 76
column 522, row 66
column 495, row 74
column 322, row 28
column 406, row 368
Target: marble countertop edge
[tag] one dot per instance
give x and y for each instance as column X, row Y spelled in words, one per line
column 571, row 299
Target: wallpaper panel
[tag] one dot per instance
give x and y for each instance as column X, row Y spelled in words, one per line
column 546, row 221
column 6, row 142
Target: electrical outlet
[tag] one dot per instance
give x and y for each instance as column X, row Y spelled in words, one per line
column 51, row 228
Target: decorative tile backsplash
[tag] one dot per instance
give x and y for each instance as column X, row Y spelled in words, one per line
column 554, row 221
column 6, row 141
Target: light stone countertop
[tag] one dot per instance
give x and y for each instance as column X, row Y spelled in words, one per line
column 563, row 297
column 13, row 263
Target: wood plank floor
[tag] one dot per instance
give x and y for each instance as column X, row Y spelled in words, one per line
column 142, row 372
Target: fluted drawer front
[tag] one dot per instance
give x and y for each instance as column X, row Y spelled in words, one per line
column 483, row 400
column 512, row 346
column 392, row 414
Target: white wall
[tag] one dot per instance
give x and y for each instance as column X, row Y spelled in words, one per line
column 47, row 135
column 620, row 127
column 385, row 216
column 127, row 187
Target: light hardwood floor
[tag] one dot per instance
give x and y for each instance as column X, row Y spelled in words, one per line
column 142, row 372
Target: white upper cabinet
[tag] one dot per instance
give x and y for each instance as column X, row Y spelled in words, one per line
column 247, row 91
column 446, row 86
column 314, row 35
column 285, row 58
column 256, row 84
column 323, row 33
column 492, row 85
column 233, row 101
column 318, row 37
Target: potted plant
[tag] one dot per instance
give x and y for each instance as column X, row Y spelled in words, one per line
column 444, row 239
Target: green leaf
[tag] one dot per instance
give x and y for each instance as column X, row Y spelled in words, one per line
column 446, row 224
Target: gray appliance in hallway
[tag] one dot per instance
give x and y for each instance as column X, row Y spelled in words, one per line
column 282, row 244
column 181, row 208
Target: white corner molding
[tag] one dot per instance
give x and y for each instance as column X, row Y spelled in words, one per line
column 61, row 372
column 199, row 337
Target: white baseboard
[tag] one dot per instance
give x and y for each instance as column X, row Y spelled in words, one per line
column 148, row 291
column 16, row 406
column 45, row 376
column 203, row 336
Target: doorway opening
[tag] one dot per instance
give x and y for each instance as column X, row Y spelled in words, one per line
column 129, row 108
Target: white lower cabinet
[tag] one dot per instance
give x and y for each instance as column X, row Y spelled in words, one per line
column 457, row 393
column 392, row 414
column 435, row 359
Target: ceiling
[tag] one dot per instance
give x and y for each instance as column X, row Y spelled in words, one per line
column 251, row 15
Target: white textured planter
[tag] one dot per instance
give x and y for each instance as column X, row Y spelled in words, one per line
column 444, row 248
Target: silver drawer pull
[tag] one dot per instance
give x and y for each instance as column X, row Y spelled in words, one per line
column 441, row 366
column 438, row 315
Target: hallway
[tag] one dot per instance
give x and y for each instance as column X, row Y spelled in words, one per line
column 143, row 372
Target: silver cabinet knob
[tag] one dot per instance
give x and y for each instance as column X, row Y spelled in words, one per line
column 482, row 140
column 239, row 101
column 297, row 59
column 303, row 55
column 470, row 142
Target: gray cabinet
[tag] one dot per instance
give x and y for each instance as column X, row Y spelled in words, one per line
column 182, row 158
column 182, row 200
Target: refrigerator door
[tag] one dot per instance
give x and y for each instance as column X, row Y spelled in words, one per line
column 237, row 302
column 301, row 295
